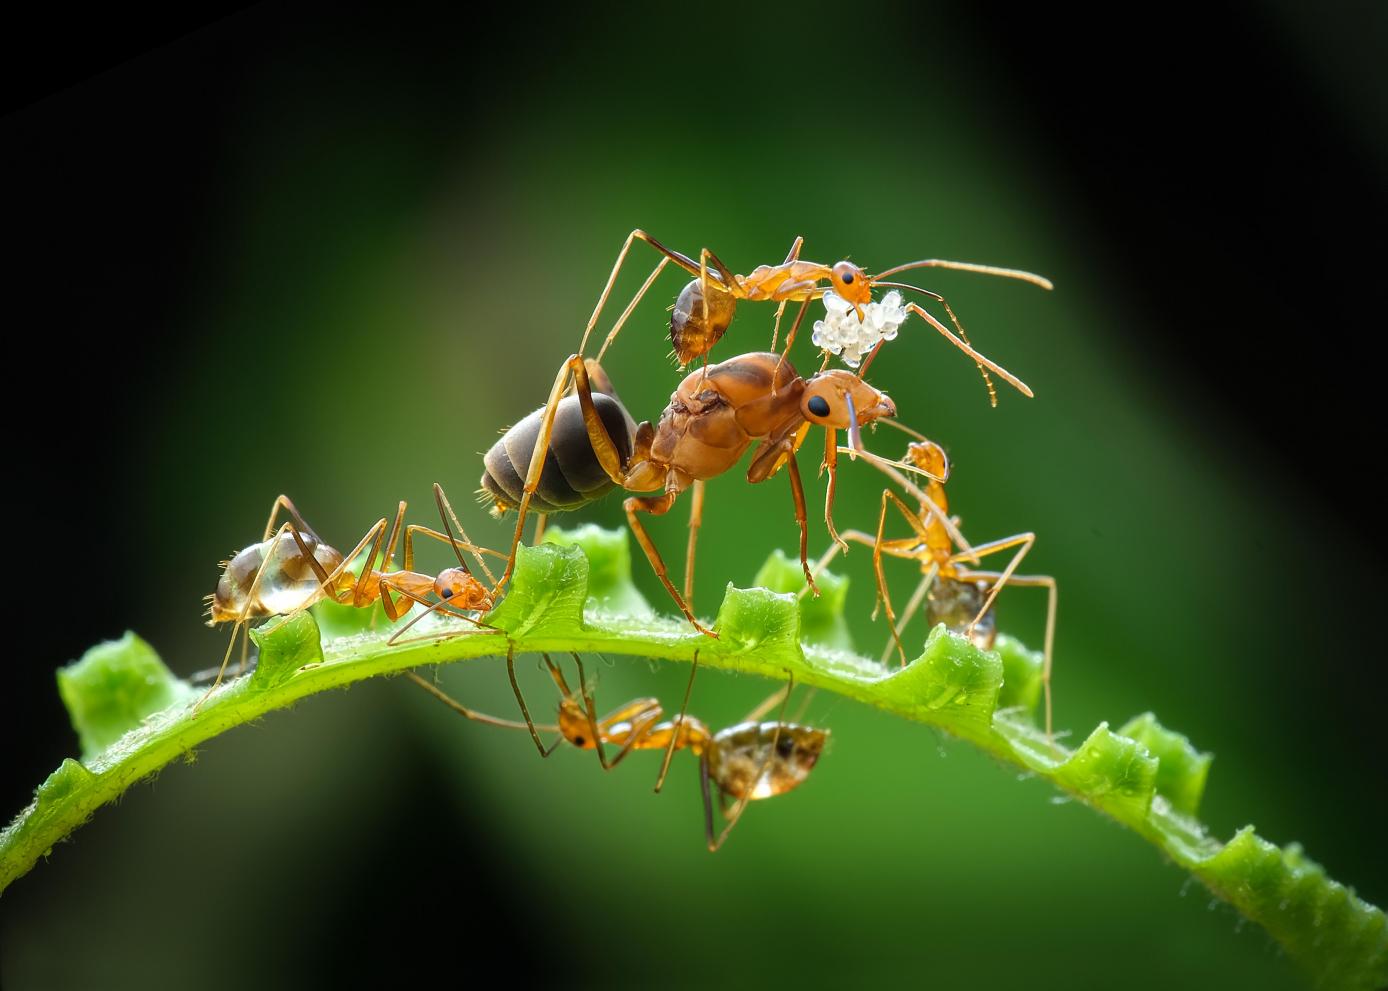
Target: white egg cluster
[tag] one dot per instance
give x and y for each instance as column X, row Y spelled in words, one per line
column 841, row 332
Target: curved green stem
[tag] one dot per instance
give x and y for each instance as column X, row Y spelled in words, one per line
column 134, row 717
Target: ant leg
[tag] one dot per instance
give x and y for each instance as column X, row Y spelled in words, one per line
column 626, row 314
column 603, row 447
column 659, row 506
column 679, row 725
column 776, row 324
column 778, row 697
column 1049, row 583
column 1024, row 543
column 797, row 491
column 287, row 504
column 831, row 463
column 696, row 520
column 912, row 607
column 540, row 520
column 968, row 349
column 794, row 328
column 525, row 710
column 679, row 259
column 741, row 805
column 467, row 713
column 883, row 595
column 641, row 716
column 445, row 514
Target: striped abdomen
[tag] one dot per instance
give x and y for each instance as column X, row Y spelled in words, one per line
column 572, row 475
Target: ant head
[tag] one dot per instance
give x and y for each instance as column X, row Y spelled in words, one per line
column 458, row 588
column 839, row 399
column 851, row 282
column 930, row 457
column 573, row 724
column 745, row 749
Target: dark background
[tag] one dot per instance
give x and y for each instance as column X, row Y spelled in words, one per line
column 214, row 228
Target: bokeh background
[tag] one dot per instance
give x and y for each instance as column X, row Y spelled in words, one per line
column 330, row 254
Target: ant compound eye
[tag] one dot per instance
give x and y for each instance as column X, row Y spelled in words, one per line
column 784, row 747
column 447, row 593
column 818, row 405
column 848, row 278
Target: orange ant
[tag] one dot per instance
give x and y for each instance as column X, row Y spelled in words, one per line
column 705, row 307
column 291, row 568
column 958, row 596
column 749, row 761
column 577, row 447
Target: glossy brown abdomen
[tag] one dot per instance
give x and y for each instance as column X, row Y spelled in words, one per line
column 572, row 475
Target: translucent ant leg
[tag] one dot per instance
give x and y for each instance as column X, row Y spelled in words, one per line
column 467, row 713
column 540, row 520
column 696, row 520
column 659, row 506
column 778, row 697
column 741, row 805
column 968, row 349
column 679, row 725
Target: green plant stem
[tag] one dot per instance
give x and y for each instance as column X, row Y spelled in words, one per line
column 134, row 718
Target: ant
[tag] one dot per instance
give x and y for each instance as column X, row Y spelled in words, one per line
column 705, row 307
column 577, row 447
column 294, row 568
column 958, row 596
column 748, row 761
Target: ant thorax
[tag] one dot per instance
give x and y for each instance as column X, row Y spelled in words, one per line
column 850, row 336
column 289, row 581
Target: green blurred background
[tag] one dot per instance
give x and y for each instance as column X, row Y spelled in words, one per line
column 331, row 256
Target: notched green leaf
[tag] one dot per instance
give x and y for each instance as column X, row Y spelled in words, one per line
column 1115, row 767
column 546, row 593
column 287, row 644
column 1021, row 674
column 953, row 680
column 761, row 621
column 610, row 588
column 821, row 618
column 113, row 687
column 1183, row 769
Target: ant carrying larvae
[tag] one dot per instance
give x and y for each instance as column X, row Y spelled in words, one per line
column 959, row 596
column 749, row 761
column 705, row 307
column 291, row 568
column 578, row 447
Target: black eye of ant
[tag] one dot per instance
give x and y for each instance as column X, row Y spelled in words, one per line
column 848, row 278
column 447, row 593
column 818, row 405
column 784, row 746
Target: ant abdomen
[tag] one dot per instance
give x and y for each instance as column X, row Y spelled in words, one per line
column 572, row 476
column 692, row 336
column 956, row 603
